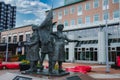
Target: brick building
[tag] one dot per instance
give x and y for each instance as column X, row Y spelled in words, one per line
column 86, row 21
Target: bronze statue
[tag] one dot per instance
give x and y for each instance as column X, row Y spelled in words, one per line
column 46, row 40
column 32, row 48
column 59, row 45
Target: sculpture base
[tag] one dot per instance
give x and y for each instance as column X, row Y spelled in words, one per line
column 46, row 73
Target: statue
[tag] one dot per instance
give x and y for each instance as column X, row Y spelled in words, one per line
column 32, row 48
column 46, row 40
column 59, row 45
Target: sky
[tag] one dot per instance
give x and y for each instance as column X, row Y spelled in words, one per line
column 32, row 11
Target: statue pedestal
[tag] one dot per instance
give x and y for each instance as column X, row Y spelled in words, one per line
column 56, row 73
column 46, row 73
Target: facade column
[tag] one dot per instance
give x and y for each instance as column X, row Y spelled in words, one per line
column 71, row 47
column 101, row 47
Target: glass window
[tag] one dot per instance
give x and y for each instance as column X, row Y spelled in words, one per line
column 4, row 39
column 54, row 15
column 65, row 11
column 96, row 3
column 73, row 22
column 87, row 6
column 105, row 16
column 21, row 38
column 14, row 38
column 116, row 14
column 96, row 17
column 115, row 1
column 87, row 19
column 59, row 14
column 9, row 39
column 66, row 23
column 79, row 20
column 105, row 2
column 79, row 8
column 27, row 37
column 72, row 10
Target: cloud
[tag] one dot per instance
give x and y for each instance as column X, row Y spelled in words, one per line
column 30, row 7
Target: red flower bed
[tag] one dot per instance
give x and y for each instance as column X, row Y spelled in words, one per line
column 82, row 69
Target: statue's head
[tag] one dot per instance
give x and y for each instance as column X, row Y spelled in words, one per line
column 60, row 27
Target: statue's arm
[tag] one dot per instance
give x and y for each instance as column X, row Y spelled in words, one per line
column 70, row 40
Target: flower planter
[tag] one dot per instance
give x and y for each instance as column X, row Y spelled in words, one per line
column 14, row 59
column 24, row 67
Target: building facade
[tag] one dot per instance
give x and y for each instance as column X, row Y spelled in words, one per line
column 86, row 21
column 7, row 16
column 15, row 39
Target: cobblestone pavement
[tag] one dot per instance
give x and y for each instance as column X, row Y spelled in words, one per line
column 98, row 72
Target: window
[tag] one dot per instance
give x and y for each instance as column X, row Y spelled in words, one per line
column 115, row 1
column 80, row 8
column 59, row 15
column 14, row 38
column 87, row 19
column 65, row 11
column 9, row 39
column 72, row 10
column 54, row 15
column 79, row 20
column 116, row 14
column 96, row 17
column 105, row 2
column 4, row 39
column 105, row 16
column 73, row 22
column 27, row 37
column 21, row 38
column 96, row 3
column 87, row 6
column 66, row 23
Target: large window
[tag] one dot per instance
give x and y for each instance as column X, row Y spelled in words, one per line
column 96, row 17
column 96, row 3
column 116, row 14
column 87, row 6
column 87, row 19
column 79, row 20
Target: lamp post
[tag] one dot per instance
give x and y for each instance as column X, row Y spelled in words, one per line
column 6, row 55
column 106, row 40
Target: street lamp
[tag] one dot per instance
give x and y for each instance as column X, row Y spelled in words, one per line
column 106, row 40
column 6, row 55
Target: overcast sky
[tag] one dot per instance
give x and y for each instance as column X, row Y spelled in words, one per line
column 32, row 11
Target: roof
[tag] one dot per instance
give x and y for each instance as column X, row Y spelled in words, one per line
column 69, row 4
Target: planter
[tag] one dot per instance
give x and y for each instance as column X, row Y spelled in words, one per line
column 14, row 59
column 24, row 67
